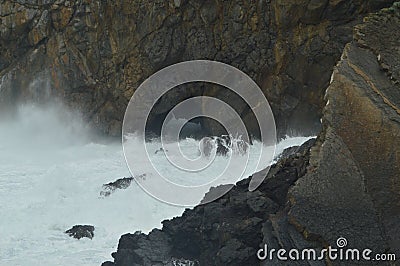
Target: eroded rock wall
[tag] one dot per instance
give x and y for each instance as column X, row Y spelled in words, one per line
column 356, row 176
column 94, row 54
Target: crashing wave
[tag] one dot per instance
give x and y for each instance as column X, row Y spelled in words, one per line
column 226, row 145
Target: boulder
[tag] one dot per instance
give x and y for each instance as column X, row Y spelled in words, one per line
column 81, row 231
column 121, row 183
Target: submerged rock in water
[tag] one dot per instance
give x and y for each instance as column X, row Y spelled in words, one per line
column 224, row 145
column 122, row 183
column 159, row 150
column 80, row 231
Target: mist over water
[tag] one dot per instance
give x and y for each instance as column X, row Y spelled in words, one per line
column 48, row 127
column 51, row 173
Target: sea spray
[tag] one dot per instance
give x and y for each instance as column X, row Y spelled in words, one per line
column 51, row 174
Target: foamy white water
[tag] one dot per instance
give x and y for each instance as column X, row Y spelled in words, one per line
column 51, row 173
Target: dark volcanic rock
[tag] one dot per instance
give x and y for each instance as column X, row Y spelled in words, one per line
column 121, row 183
column 228, row 231
column 94, row 54
column 289, row 151
column 80, row 231
column 223, row 145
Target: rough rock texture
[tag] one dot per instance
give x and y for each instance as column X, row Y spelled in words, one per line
column 347, row 185
column 94, row 54
column 227, row 231
column 354, row 190
column 81, row 231
column 121, row 183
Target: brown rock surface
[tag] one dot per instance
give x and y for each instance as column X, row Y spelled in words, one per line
column 357, row 167
column 347, row 185
column 94, row 54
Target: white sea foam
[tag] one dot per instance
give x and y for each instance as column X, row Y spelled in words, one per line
column 51, row 173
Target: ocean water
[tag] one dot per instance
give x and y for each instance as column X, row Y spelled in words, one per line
column 51, row 173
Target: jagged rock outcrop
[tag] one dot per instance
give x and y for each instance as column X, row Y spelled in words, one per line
column 227, row 231
column 94, row 54
column 354, row 189
column 120, row 183
column 346, row 185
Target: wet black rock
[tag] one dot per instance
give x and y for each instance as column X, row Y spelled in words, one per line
column 80, row 231
column 122, row 183
column 160, row 150
column 289, row 151
column 224, row 145
column 228, row 231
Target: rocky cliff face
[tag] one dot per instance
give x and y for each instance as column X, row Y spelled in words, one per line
column 346, row 185
column 357, row 168
column 94, row 54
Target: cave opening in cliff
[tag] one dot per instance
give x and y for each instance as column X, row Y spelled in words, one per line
column 200, row 126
